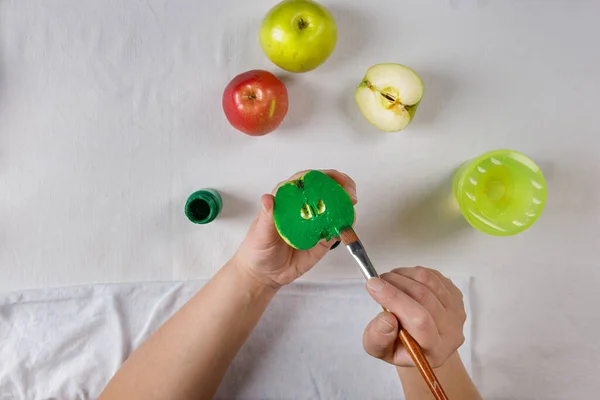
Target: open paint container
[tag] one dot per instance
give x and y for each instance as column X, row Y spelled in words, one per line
column 500, row 193
column 203, row 206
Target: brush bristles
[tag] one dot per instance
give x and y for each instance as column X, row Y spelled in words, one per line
column 348, row 236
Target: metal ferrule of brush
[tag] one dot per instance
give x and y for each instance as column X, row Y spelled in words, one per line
column 360, row 255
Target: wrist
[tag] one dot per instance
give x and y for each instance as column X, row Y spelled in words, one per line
column 452, row 375
column 451, row 362
column 250, row 278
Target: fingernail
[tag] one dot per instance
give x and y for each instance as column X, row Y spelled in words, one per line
column 351, row 192
column 375, row 284
column 383, row 326
column 263, row 203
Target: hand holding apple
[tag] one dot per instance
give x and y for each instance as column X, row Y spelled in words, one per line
column 298, row 35
column 312, row 208
column 255, row 102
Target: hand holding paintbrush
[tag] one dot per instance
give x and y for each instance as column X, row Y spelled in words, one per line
column 317, row 206
column 428, row 303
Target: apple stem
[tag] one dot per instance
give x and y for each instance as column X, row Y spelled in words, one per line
column 302, row 24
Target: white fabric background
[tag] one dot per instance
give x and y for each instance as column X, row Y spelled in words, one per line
column 110, row 117
column 66, row 343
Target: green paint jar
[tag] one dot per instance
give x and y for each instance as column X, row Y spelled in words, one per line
column 500, row 193
column 203, row 206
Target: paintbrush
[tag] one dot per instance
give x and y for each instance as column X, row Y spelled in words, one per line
column 355, row 247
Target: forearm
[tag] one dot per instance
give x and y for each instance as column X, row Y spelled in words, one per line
column 188, row 356
column 452, row 375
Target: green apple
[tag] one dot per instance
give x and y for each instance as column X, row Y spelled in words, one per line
column 389, row 95
column 311, row 208
column 298, row 35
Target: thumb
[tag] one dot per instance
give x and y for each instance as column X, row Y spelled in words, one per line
column 264, row 229
column 267, row 202
column 380, row 337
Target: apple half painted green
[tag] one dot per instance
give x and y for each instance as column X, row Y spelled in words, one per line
column 311, row 208
column 389, row 95
column 298, row 35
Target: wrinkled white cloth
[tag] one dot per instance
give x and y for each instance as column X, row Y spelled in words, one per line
column 66, row 343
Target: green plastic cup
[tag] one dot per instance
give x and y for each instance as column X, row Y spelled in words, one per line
column 500, row 193
column 203, row 206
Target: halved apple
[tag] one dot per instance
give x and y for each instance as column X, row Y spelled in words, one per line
column 311, row 208
column 389, row 95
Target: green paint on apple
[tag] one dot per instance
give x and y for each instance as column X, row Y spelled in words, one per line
column 311, row 208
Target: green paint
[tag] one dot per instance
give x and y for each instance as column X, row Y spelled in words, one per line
column 203, row 206
column 311, row 208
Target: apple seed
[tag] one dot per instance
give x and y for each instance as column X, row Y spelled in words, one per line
column 306, row 211
column 320, row 207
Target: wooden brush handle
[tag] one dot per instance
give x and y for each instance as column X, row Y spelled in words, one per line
column 416, row 353
column 418, row 357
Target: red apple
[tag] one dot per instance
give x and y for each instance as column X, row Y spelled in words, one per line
column 255, row 102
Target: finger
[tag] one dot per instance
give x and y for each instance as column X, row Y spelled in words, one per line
column 315, row 254
column 267, row 203
column 380, row 336
column 412, row 316
column 263, row 227
column 457, row 303
column 380, row 342
column 420, row 293
column 447, row 282
column 345, row 181
column 306, row 259
column 431, row 281
column 335, row 245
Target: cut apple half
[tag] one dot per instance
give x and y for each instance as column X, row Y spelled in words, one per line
column 311, row 208
column 389, row 95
